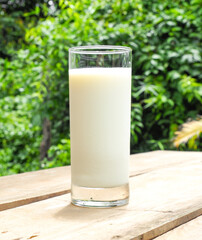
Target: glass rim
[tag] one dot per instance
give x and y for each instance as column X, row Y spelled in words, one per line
column 100, row 49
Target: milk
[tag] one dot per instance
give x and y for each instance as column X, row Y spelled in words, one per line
column 100, row 126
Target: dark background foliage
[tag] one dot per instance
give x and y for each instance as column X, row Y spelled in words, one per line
column 35, row 36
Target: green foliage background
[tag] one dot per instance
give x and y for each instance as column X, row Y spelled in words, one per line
column 34, row 40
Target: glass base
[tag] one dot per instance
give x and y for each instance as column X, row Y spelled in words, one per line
column 100, row 197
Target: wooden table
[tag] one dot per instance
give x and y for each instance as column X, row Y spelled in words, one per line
column 165, row 199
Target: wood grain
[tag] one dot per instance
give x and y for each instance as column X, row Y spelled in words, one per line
column 189, row 231
column 160, row 200
column 20, row 189
column 25, row 188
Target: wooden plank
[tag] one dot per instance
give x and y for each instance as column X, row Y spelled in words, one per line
column 188, row 231
column 20, row 189
column 160, row 200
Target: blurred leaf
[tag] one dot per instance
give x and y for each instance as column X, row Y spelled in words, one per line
column 190, row 130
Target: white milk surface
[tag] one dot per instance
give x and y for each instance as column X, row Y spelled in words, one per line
column 100, row 126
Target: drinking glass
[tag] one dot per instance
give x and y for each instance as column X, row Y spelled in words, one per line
column 100, row 103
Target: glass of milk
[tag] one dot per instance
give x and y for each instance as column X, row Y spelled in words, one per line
column 100, row 103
